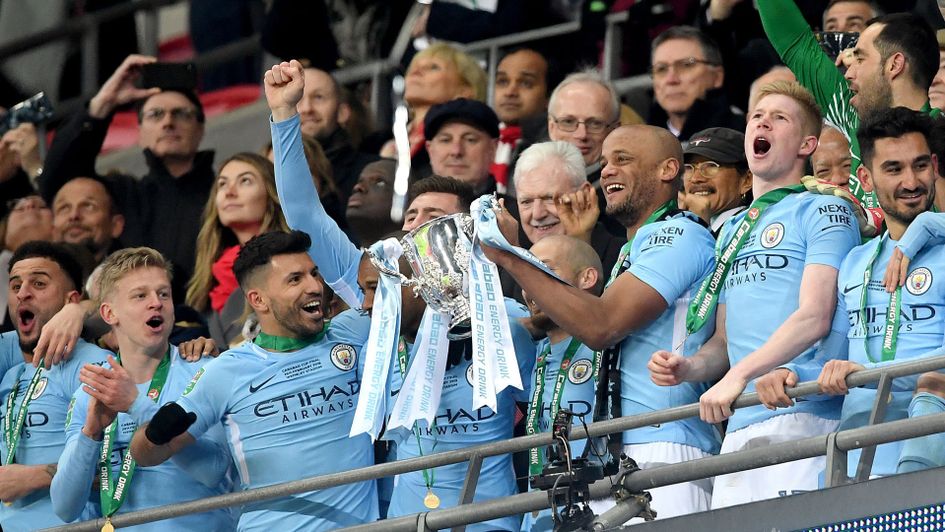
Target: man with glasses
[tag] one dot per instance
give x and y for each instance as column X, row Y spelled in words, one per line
column 29, row 219
column 687, row 84
column 717, row 181
column 582, row 110
column 163, row 208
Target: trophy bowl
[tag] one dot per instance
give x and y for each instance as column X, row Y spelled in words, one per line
column 438, row 255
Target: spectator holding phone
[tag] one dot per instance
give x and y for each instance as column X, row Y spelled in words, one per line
column 163, row 208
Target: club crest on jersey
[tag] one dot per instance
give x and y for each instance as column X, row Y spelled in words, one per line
column 772, row 235
column 187, row 390
column 40, row 388
column 919, row 281
column 580, row 371
column 469, row 375
column 343, row 356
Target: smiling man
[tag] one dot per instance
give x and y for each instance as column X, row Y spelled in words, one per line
column 667, row 254
column 774, row 291
column 893, row 64
column 84, row 213
column 135, row 292
column 717, row 182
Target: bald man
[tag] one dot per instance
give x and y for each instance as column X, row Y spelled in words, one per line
column 643, row 306
column 576, row 263
column 832, row 159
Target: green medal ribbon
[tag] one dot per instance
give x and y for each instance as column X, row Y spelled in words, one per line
column 891, row 328
column 429, row 475
column 534, row 408
column 283, row 344
column 707, row 298
column 657, row 215
column 12, row 428
column 112, row 494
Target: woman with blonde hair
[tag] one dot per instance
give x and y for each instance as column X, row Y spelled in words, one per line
column 243, row 203
column 437, row 74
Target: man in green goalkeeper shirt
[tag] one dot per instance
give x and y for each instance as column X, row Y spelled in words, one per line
column 892, row 65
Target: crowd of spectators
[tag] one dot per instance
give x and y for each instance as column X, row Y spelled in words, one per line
column 672, row 293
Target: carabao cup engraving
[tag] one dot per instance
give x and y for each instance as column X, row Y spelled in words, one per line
column 438, row 254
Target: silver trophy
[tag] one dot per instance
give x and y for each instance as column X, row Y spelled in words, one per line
column 438, row 254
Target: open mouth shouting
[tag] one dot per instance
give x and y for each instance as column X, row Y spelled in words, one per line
column 612, row 188
column 155, row 324
column 26, row 321
column 760, row 146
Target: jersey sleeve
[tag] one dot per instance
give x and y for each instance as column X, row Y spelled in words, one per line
column 927, row 229
column 336, row 257
column 208, row 459
column 832, row 230
column 208, row 393
column 76, row 469
column 673, row 258
column 794, row 41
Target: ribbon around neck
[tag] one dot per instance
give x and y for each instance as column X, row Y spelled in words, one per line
column 381, row 345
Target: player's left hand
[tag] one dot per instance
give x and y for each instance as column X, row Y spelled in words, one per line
column 113, row 386
column 896, row 270
column 833, row 378
column 194, row 350
column 715, row 405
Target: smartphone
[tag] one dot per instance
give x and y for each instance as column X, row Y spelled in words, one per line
column 169, row 76
column 834, row 42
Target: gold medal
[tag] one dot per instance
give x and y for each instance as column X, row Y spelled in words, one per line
column 107, row 527
column 431, row 501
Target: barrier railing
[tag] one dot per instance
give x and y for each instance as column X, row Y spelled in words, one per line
column 834, row 445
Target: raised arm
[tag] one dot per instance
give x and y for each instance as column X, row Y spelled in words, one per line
column 336, row 257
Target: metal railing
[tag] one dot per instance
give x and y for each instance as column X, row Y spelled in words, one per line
column 833, row 445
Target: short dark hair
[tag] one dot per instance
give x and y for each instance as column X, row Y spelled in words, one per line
column 55, row 252
column 259, row 251
column 446, row 185
column 186, row 93
column 890, row 123
column 553, row 71
column 709, row 47
column 911, row 35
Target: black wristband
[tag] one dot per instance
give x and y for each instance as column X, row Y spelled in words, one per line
column 169, row 422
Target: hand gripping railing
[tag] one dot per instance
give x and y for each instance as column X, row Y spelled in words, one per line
column 834, row 445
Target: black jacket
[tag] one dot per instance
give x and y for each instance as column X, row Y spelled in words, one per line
column 160, row 211
column 712, row 111
column 346, row 162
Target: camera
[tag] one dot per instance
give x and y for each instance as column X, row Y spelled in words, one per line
column 35, row 110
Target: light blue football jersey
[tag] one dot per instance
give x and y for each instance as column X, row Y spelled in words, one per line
column 763, row 284
column 672, row 257
column 287, row 417
column 72, row 492
column 42, row 438
column 577, row 396
column 921, row 333
column 457, row 425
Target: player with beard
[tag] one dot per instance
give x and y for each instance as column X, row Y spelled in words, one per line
column 564, row 369
column 871, row 327
column 43, row 277
column 667, row 254
column 136, row 302
column 291, row 391
column 893, row 64
column 789, row 243
column 348, row 271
